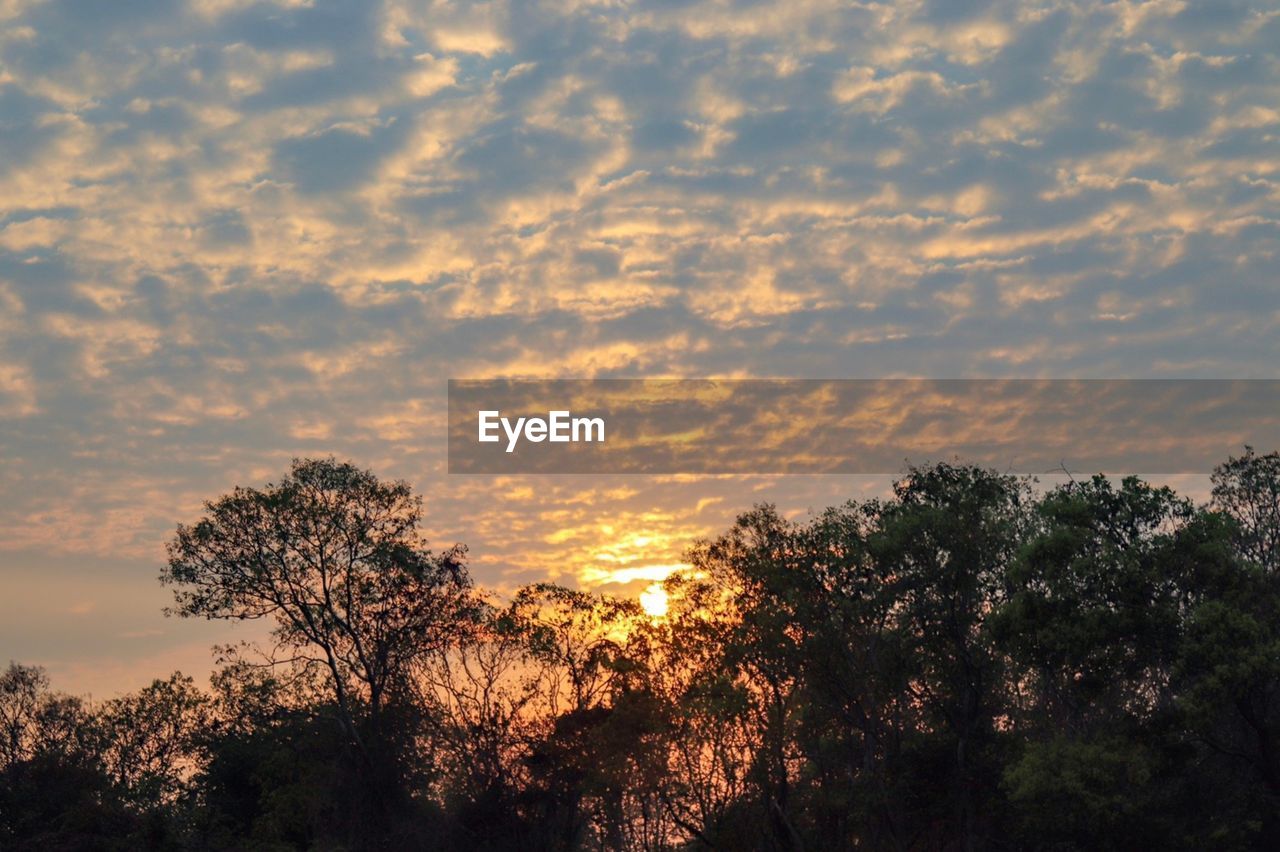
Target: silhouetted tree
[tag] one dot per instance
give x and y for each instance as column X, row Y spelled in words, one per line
column 54, row 791
column 333, row 556
column 965, row 664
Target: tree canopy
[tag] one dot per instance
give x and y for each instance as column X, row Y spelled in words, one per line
column 971, row 662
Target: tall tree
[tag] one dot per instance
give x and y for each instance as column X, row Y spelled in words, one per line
column 54, row 793
column 1228, row 672
column 1091, row 626
column 334, row 557
column 946, row 542
column 149, row 740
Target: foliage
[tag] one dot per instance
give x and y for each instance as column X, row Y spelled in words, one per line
column 970, row 663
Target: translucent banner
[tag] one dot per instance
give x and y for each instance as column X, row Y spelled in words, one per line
column 808, row 426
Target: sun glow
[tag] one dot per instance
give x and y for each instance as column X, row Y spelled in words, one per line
column 654, row 601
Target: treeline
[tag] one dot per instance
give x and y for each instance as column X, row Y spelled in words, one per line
column 970, row 664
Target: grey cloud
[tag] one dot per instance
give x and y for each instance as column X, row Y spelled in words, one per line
column 336, row 159
column 23, row 120
column 229, row 239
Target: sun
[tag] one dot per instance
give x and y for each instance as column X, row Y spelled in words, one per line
column 654, row 601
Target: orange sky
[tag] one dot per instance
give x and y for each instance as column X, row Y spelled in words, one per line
column 232, row 233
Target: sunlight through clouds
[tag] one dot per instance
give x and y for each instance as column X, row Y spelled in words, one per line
column 234, row 232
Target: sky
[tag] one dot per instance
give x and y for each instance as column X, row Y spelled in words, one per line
column 233, row 233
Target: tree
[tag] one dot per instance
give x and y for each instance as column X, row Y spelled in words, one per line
column 1227, row 674
column 54, row 793
column 34, row 720
column 738, row 635
column 334, row 557
column 965, row 664
column 1247, row 489
column 487, row 702
column 21, row 693
column 1091, row 626
column 149, row 739
column 587, row 756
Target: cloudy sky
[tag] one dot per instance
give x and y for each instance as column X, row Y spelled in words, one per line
column 236, row 232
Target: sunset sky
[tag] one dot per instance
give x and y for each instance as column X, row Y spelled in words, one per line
column 232, row 233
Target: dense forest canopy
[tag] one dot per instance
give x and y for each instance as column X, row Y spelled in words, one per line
column 971, row 663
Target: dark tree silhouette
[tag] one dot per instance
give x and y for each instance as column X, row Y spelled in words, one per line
column 971, row 663
column 333, row 557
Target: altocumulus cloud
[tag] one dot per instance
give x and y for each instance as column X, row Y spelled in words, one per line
column 233, row 232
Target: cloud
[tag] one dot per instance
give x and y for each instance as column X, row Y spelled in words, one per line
column 235, row 231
